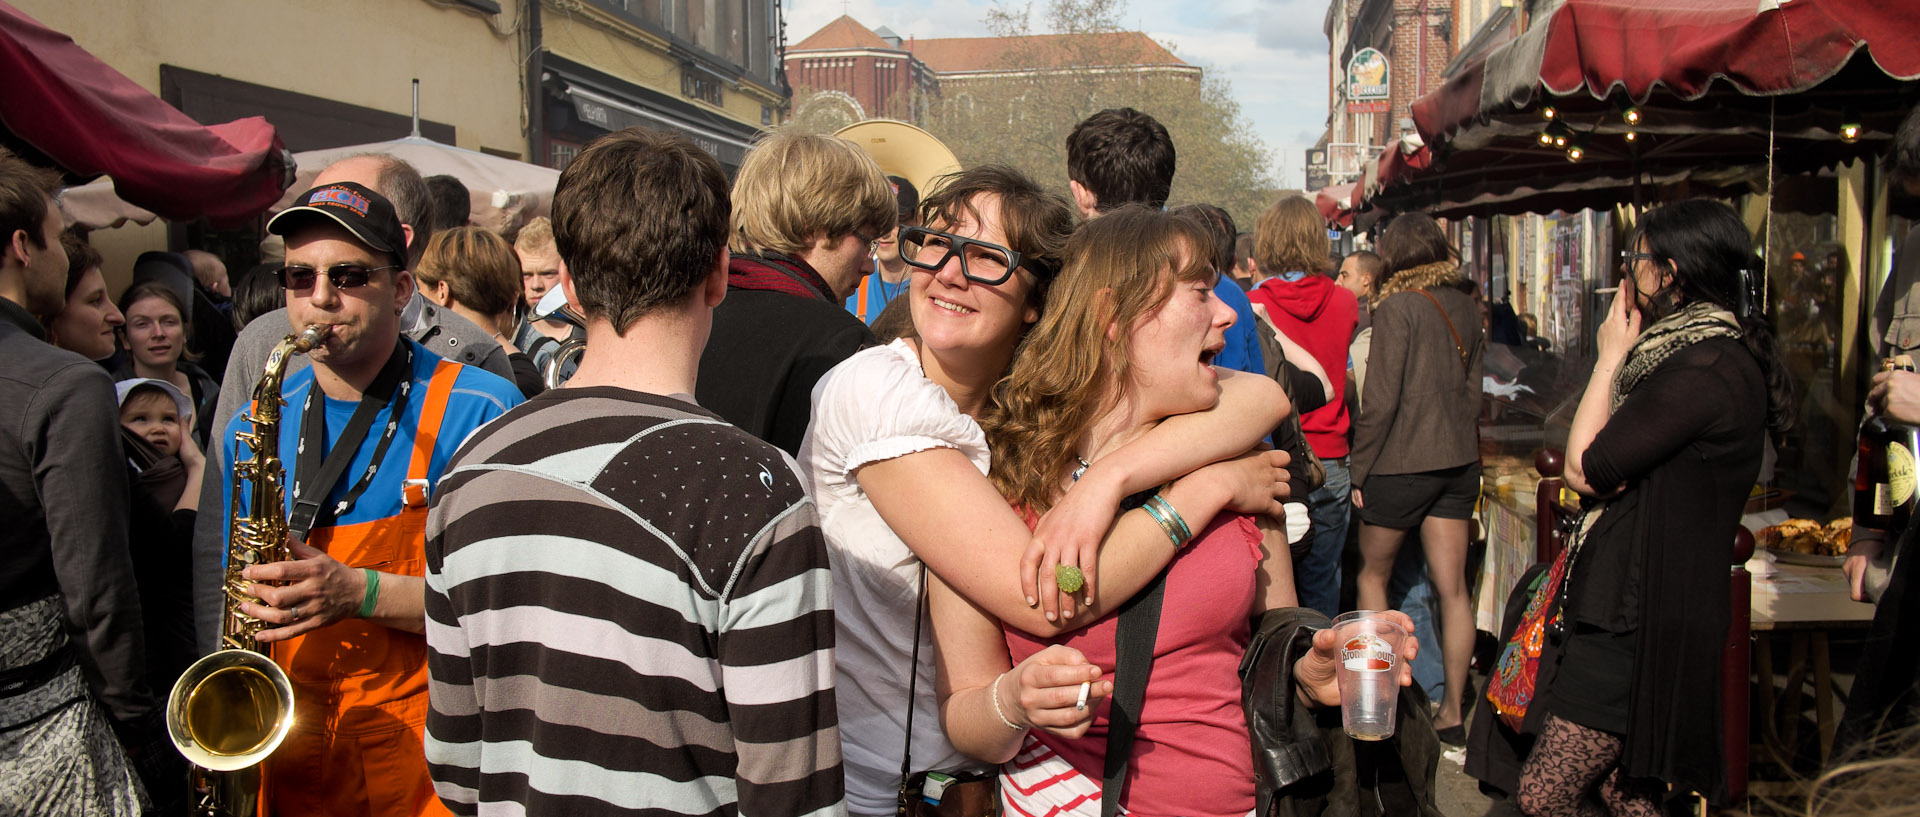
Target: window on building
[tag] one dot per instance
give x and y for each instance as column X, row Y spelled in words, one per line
column 697, row 84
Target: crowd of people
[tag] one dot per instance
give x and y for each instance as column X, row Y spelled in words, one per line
column 815, row 492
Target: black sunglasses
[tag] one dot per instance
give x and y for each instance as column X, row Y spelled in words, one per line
column 981, row 262
column 342, row 276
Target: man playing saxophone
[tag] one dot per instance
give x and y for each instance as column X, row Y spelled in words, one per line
column 365, row 434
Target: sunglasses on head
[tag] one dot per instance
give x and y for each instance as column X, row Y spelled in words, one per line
column 341, row 276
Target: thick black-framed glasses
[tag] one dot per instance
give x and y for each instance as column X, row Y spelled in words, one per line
column 981, row 262
column 1629, row 259
column 343, row 276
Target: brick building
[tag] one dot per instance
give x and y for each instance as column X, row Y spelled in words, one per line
column 846, row 72
column 1415, row 39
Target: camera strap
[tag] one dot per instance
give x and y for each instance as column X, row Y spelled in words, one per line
column 313, row 476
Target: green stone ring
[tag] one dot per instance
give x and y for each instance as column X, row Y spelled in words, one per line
column 1069, row 578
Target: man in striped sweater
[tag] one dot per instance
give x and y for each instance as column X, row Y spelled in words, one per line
column 629, row 607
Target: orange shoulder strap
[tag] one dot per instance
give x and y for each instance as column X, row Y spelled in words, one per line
column 861, row 299
column 432, row 413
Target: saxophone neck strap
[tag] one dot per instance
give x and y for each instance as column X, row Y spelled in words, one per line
column 314, row 475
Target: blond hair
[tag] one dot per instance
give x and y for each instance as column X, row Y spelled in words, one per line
column 794, row 188
column 1120, row 268
column 536, row 237
column 1291, row 236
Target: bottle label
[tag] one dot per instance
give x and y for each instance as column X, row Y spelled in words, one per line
column 1366, row 653
column 1882, row 500
column 1900, row 475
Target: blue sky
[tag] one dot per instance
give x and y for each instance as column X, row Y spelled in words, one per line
column 1272, row 51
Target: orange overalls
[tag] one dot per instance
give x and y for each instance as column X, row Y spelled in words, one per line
column 360, row 689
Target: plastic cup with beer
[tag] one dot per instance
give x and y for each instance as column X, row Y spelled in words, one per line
column 1369, row 663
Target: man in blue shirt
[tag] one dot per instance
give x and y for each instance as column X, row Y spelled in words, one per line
column 366, row 432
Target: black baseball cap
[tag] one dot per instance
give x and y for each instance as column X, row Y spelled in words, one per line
column 366, row 214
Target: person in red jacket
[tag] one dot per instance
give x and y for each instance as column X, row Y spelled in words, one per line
column 1291, row 256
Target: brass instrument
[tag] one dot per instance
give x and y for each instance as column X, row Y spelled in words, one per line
column 570, row 350
column 903, row 150
column 232, row 708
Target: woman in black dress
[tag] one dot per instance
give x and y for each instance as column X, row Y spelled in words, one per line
column 1665, row 445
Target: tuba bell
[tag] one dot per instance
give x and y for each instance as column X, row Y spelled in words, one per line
column 233, row 707
column 903, row 150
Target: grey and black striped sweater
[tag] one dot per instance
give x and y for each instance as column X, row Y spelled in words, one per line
column 629, row 611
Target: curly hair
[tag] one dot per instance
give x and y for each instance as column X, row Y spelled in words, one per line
column 1120, row 268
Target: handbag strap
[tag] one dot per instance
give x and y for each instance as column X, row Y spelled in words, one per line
column 913, row 680
column 1134, row 636
column 1457, row 345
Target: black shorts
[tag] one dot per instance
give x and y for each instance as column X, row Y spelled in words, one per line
column 1400, row 501
column 1595, row 675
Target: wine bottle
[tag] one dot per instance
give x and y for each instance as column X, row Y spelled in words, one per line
column 1885, row 480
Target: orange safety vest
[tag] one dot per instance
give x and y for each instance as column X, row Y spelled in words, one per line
column 359, row 688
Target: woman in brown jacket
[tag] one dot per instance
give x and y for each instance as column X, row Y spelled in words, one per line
column 1416, row 460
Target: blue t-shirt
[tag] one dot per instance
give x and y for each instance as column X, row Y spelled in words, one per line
column 477, row 397
column 1243, row 341
column 879, row 293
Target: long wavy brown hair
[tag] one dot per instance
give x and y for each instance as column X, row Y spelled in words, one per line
column 1070, row 371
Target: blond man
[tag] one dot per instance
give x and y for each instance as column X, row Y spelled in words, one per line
column 806, row 213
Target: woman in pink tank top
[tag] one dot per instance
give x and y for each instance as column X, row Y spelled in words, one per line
column 1128, row 340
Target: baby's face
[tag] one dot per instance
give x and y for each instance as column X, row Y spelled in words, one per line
column 155, row 418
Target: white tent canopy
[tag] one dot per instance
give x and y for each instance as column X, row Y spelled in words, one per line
column 506, row 192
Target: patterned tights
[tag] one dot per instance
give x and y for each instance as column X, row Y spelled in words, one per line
column 1566, row 762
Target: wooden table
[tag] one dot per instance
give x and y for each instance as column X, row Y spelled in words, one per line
column 1805, row 604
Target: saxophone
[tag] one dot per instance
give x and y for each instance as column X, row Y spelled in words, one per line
column 233, row 707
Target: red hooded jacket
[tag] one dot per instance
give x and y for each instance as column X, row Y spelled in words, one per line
column 1318, row 315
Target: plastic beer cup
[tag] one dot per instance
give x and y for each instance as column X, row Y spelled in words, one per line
column 1369, row 661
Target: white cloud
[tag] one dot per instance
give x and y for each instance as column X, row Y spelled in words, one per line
column 1272, row 52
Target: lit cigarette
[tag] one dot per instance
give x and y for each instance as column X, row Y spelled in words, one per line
column 1606, row 290
column 1086, row 688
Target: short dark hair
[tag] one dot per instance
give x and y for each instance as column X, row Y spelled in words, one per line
column 1217, row 224
column 639, row 218
column 25, row 190
column 1411, row 240
column 1242, row 249
column 1906, row 148
column 81, row 256
column 452, row 202
column 1370, row 263
column 257, row 293
column 1122, row 156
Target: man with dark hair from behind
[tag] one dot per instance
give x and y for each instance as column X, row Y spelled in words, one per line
column 1122, row 156
column 452, row 202
column 598, row 644
column 1885, row 699
column 1242, row 260
column 71, row 647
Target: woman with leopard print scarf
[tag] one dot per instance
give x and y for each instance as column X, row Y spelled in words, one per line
column 1665, row 445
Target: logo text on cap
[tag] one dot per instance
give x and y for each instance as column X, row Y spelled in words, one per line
column 342, row 197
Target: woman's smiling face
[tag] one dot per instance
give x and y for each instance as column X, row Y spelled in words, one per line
column 954, row 315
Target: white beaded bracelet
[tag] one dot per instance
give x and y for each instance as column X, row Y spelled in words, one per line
column 995, row 693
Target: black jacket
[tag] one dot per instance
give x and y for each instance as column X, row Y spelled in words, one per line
column 766, row 351
column 1307, row 765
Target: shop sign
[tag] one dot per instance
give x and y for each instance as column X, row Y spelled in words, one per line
column 1367, row 82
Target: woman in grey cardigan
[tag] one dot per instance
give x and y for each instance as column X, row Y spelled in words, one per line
column 1416, row 460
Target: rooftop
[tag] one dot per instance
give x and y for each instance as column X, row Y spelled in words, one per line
column 843, row 33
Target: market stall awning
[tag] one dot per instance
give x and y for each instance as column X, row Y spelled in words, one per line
column 1719, row 86
column 71, row 109
column 1336, row 202
column 506, row 193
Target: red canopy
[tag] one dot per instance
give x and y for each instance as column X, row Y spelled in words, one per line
column 1336, row 203
column 1722, row 84
column 90, row 120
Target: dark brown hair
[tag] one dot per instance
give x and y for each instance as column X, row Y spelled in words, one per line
column 1218, row 225
column 639, row 217
column 1412, row 240
column 1122, row 156
column 24, row 194
column 81, row 256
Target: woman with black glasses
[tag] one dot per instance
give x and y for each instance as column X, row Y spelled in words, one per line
column 897, row 462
